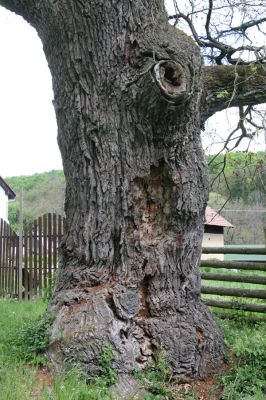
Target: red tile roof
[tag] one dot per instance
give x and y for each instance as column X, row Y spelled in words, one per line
column 213, row 218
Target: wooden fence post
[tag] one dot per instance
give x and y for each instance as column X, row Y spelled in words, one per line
column 20, row 251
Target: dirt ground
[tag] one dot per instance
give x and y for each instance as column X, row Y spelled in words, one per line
column 203, row 389
column 43, row 379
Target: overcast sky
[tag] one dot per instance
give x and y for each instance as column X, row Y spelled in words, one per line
column 28, row 129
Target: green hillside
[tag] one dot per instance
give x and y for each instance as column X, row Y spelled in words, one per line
column 237, row 188
column 42, row 193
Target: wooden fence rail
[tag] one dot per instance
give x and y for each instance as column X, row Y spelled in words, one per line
column 234, row 250
column 236, row 265
column 237, row 306
column 234, row 292
column 260, row 280
column 248, row 290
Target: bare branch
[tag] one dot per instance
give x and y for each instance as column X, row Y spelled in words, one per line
column 243, row 27
column 220, row 36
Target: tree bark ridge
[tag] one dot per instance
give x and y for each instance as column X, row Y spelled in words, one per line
column 30, row 10
column 127, row 90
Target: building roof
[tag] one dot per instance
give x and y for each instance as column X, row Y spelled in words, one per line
column 8, row 191
column 213, row 218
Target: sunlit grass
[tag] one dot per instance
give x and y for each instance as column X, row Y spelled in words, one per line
column 245, row 380
column 17, row 380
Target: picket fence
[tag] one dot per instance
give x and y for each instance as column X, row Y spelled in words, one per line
column 40, row 252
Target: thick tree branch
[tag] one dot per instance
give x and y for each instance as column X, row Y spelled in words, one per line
column 30, row 10
column 231, row 86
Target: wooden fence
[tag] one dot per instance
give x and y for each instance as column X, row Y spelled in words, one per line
column 41, row 242
column 250, row 292
column 8, row 259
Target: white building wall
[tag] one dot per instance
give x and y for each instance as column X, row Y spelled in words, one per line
column 3, row 204
column 213, row 240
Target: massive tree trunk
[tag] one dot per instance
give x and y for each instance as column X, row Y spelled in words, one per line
column 128, row 100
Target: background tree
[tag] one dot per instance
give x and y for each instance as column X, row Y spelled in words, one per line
column 130, row 95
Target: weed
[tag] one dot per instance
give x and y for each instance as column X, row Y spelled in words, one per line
column 105, row 367
column 48, row 291
column 73, row 385
column 33, row 338
column 156, row 377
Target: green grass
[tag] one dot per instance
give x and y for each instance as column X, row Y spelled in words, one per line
column 247, row 377
column 14, row 316
column 246, row 355
column 23, row 336
column 74, row 386
column 17, row 380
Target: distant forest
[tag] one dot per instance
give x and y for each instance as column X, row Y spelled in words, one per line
column 237, row 191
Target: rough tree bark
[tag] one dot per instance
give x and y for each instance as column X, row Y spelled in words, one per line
column 129, row 99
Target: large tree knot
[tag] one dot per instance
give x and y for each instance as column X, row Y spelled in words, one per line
column 171, row 79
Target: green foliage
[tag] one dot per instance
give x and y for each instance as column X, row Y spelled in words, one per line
column 223, row 94
column 156, row 378
column 239, row 184
column 47, row 291
column 14, row 317
column 33, row 338
column 105, row 368
column 17, row 380
column 245, row 174
column 42, row 193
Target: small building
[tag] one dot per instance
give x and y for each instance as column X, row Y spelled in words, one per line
column 6, row 194
column 214, row 232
